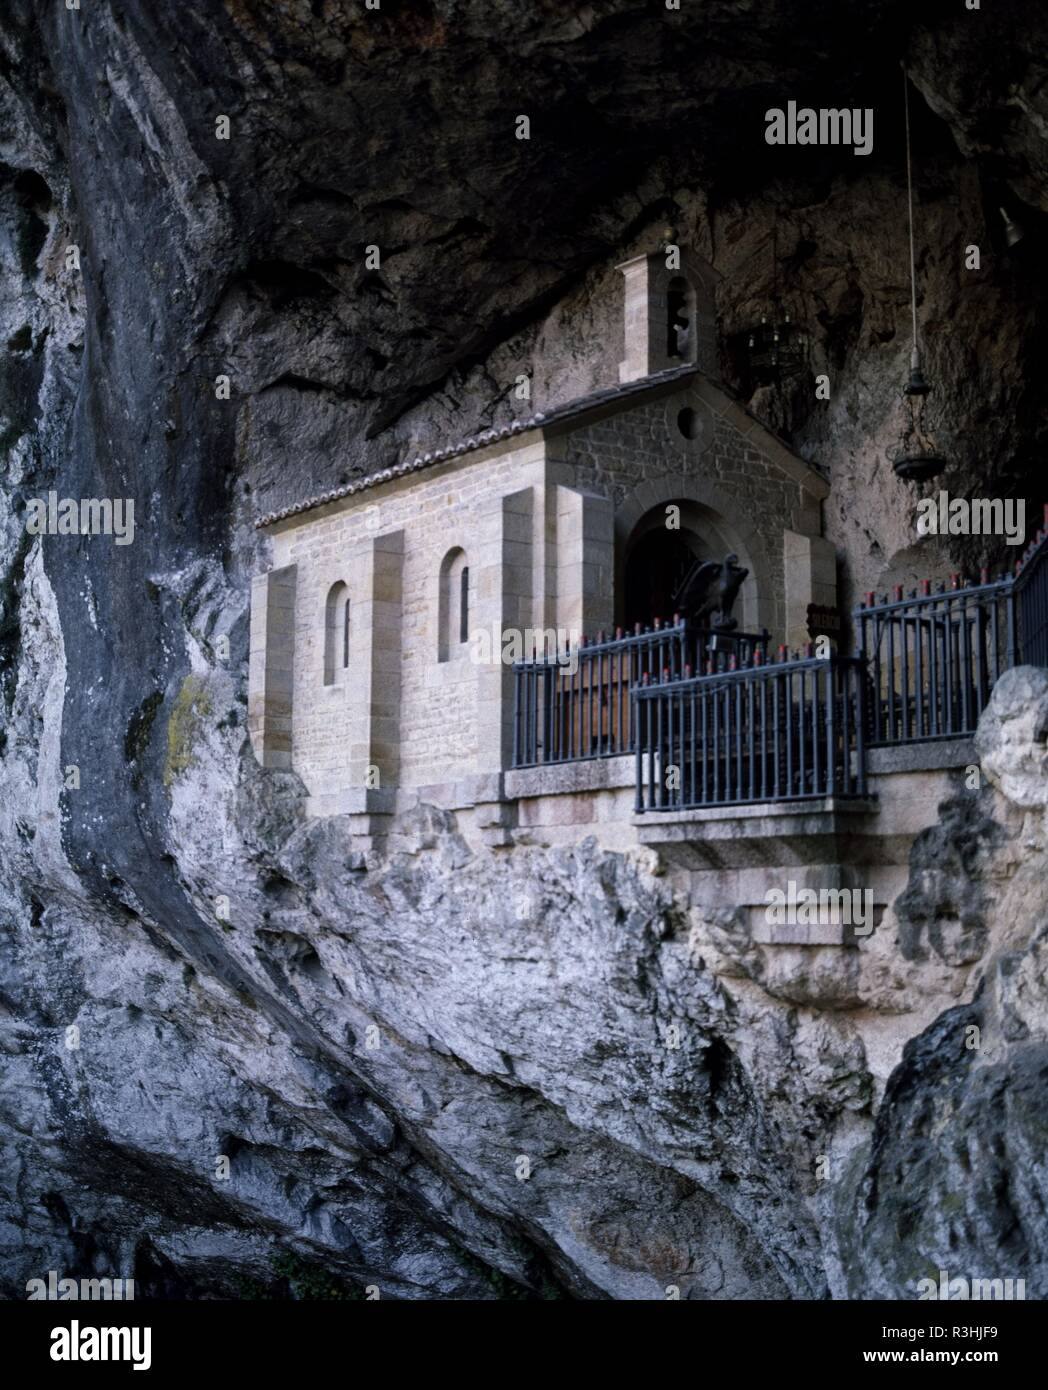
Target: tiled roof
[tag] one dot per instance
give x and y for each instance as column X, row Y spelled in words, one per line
column 540, row 420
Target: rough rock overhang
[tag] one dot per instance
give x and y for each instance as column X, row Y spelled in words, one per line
column 721, row 402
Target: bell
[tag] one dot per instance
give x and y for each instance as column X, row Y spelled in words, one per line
column 1013, row 231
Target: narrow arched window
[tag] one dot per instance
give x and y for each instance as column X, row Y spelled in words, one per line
column 464, row 605
column 453, row 617
column 336, row 633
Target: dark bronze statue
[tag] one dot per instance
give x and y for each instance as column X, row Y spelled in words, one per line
column 707, row 592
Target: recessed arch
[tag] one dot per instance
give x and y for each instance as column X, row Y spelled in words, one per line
column 710, row 526
column 453, row 617
column 336, row 633
column 654, row 564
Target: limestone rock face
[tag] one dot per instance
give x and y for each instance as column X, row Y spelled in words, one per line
column 1013, row 737
column 953, row 1180
column 237, row 1055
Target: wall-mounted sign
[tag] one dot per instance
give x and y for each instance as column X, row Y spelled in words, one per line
column 824, row 621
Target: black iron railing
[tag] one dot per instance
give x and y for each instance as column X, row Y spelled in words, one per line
column 934, row 657
column 1031, row 593
column 713, row 723
column 577, row 703
column 792, row 730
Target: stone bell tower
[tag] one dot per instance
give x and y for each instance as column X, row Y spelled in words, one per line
column 669, row 316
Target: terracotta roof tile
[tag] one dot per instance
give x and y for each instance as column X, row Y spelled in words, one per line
column 540, row 420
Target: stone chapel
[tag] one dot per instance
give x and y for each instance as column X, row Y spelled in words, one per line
column 363, row 678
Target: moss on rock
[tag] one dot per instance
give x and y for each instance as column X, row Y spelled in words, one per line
column 183, row 728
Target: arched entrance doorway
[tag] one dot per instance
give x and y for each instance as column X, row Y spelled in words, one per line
column 649, row 553
column 656, row 562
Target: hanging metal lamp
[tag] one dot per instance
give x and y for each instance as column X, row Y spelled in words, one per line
column 916, row 457
column 777, row 347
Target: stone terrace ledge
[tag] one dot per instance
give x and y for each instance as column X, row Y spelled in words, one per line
column 736, row 836
column 733, row 855
column 566, row 779
column 605, row 774
column 571, row 799
column 927, row 756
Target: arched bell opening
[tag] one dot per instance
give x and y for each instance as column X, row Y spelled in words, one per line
column 681, row 336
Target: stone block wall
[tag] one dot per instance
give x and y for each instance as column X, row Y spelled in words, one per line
column 271, row 667
column 641, row 458
column 397, row 707
column 585, row 575
column 811, row 577
column 507, row 603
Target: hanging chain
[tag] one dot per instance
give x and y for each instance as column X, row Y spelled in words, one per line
column 909, row 200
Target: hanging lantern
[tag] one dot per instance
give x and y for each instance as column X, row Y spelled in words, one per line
column 917, row 456
column 776, row 348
